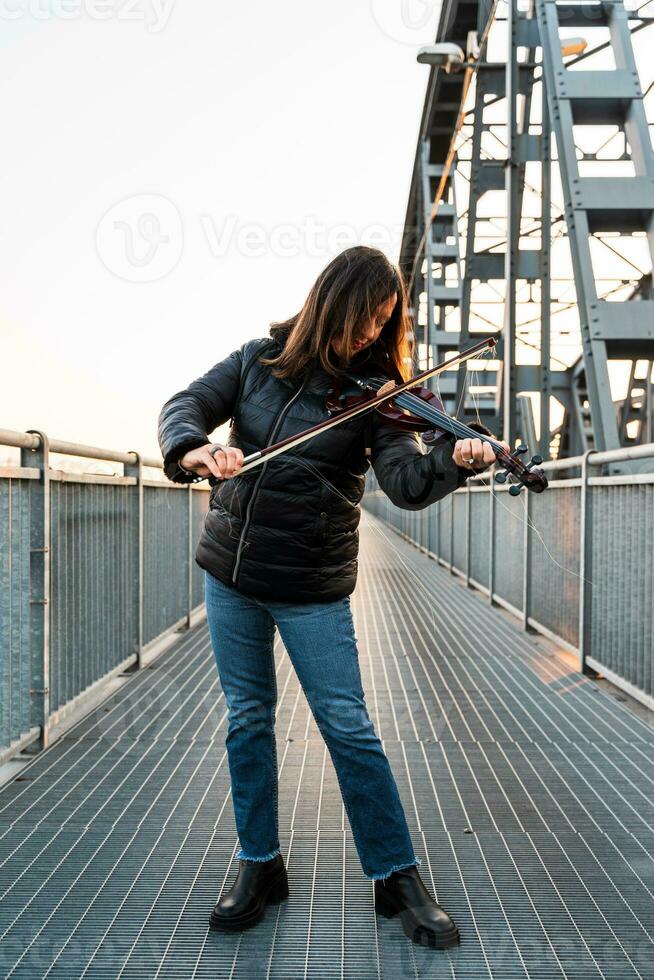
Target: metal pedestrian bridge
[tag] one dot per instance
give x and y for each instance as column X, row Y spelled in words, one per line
column 513, row 703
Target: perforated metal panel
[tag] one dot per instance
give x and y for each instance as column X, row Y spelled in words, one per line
column 93, row 566
column 199, row 505
column 165, row 542
column 554, row 560
column 621, row 572
column 445, row 511
column 16, row 714
column 508, row 547
column 480, row 544
column 460, row 541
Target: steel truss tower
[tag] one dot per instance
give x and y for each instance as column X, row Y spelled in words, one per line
column 461, row 262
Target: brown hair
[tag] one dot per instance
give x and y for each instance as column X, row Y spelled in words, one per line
column 346, row 294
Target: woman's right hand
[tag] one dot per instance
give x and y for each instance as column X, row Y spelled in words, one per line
column 225, row 462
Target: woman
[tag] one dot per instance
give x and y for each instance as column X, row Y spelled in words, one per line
column 279, row 548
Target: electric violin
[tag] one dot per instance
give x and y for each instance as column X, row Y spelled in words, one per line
column 421, row 410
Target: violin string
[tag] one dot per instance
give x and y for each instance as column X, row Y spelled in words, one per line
column 302, row 461
column 231, row 510
column 538, row 534
column 437, row 379
column 461, row 396
column 425, row 410
column 497, row 497
column 322, row 478
column 448, row 503
column 434, row 415
column 377, row 529
column 528, row 520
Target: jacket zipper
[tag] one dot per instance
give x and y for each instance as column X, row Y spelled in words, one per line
column 248, row 509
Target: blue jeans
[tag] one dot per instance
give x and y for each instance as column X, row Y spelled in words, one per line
column 320, row 641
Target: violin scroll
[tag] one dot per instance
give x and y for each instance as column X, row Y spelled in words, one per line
column 533, row 479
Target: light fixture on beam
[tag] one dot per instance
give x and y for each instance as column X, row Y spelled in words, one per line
column 449, row 57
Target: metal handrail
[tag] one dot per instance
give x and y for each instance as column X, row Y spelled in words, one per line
column 102, row 519
column 598, row 604
column 26, row 440
column 596, row 458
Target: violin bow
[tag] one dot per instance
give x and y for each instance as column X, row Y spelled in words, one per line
column 269, row 452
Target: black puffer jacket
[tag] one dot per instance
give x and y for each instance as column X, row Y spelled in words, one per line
column 287, row 529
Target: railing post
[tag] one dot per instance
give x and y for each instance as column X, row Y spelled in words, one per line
column 452, row 533
column 526, row 554
column 437, row 541
column 135, row 470
column 585, row 558
column 468, row 535
column 40, row 594
column 491, row 531
column 436, row 532
column 190, row 557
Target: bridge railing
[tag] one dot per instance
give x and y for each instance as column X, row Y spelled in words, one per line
column 575, row 563
column 97, row 573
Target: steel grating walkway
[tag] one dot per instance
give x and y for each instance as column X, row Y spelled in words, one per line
column 529, row 791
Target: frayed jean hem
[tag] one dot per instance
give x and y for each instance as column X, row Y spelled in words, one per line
column 267, row 857
column 398, row 867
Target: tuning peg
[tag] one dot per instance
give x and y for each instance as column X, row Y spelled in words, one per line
column 515, row 489
column 501, row 477
column 522, row 448
column 534, row 461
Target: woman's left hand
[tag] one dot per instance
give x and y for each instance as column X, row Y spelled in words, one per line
column 481, row 453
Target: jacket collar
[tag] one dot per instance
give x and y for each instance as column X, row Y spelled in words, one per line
column 363, row 366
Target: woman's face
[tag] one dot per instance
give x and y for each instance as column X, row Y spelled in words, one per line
column 369, row 331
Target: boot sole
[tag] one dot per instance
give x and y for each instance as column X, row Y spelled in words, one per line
column 420, row 935
column 276, row 892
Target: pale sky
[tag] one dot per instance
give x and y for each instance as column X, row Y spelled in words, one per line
column 173, row 178
column 233, row 142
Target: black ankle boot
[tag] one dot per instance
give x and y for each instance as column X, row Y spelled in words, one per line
column 423, row 920
column 257, row 883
